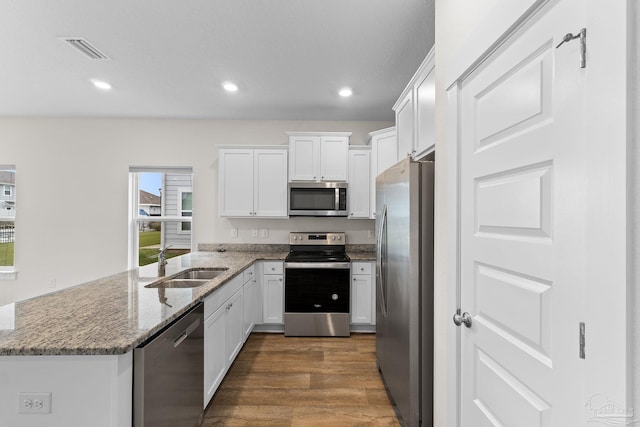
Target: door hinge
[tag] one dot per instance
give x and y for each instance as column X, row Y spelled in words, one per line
column 581, row 339
column 582, row 35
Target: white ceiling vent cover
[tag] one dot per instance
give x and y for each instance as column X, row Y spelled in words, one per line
column 85, row 47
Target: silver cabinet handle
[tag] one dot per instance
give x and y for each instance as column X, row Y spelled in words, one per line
column 459, row 319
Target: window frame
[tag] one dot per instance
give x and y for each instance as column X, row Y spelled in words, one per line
column 134, row 217
column 181, row 211
column 9, row 272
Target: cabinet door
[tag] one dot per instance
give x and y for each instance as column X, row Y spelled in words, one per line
column 359, row 183
column 235, row 184
column 304, row 152
column 333, row 158
column 426, row 112
column 235, row 329
column 273, row 297
column 215, row 355
column 384, row 153
column 405, row 126
column 249, row 306
column 361, row 298
column 270, row 183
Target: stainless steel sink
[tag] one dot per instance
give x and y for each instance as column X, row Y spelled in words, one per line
column 200, row 273
column 177, row 283
column 191, row 278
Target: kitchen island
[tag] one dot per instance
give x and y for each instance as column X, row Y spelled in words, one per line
column 77, row 343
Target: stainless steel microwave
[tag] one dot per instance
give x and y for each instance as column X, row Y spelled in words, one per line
column 317, row 199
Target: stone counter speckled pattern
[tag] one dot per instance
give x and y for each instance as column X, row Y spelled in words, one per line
column 114, row 314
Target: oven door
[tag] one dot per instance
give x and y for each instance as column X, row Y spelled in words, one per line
column 317, row 287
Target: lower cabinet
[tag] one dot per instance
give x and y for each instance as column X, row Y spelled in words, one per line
column 252, row 312
column 273, row 293
column 235, row 331
column 224, row 331
column 215, row 355
column 363, row 293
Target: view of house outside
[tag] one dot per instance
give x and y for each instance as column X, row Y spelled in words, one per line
column 175, row 188
column 7, row 215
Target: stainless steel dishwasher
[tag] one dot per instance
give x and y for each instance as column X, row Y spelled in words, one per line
column 168, row 375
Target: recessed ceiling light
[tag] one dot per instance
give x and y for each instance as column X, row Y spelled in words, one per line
column 102, row 85
column 345, row 92
column 230, row 87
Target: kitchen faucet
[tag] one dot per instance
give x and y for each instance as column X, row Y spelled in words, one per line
column 162, row 261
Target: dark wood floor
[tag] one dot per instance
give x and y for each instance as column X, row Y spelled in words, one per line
column 287, row 381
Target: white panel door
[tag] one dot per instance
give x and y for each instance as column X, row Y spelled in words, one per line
column 304, row 154
column 384, row 153
column 236, row 182
column 523, row 187
column 333, row 158
column 270, row 183
column 426, row 112
column 359, row 183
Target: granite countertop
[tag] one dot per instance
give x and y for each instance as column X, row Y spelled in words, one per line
column 115, row 314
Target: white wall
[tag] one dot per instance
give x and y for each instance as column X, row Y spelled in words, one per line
column 65, row 166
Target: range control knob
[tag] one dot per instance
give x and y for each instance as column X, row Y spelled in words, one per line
column 339, row 237
column 333, row 237
column 334, row 297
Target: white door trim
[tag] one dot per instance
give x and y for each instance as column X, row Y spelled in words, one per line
column 609, row 142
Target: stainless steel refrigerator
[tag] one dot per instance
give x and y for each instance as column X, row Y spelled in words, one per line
column 404, row 289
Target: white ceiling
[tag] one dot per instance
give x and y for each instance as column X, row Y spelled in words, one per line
column 169, row 58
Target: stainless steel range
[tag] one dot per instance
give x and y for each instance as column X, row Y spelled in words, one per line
column 317, row 285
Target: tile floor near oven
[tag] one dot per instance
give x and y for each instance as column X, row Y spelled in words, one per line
column 290, row 381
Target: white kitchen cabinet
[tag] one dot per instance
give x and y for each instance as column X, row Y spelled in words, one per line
column 235, row 328
column 363, row 293
column 253, row 182
column 415, row 112
column 215, row 353
column 273, row 293
column 251, row 295
column 359, row 182
column 318, row 156
column 384, row 153
column 223, row 333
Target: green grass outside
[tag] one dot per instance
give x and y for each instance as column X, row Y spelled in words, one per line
column 150, row 255
column 6, row 254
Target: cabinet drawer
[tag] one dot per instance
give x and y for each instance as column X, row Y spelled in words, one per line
column 271, row 267
column 249, row 273
column 221, row 295
column 360, row 268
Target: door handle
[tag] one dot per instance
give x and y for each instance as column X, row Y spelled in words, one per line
column 459, row 319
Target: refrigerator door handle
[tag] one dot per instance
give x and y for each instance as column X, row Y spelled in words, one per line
column 381, row 250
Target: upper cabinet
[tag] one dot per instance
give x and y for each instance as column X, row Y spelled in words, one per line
column 384, row 153
column 253, row 182
column 359, row 182
column 318, row 156
column 415, row 112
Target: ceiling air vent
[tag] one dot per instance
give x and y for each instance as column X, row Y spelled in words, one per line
column 85, row 47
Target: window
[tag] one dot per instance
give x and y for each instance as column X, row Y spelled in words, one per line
column 184, row 196
column 161, row 213
column 7, row 217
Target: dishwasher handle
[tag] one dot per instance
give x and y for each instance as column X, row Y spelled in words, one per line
column 183, row 336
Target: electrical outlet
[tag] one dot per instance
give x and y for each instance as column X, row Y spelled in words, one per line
column 52, row 283
column 264, row 232
column 254, row 232
column 234, row 233
column 34, row 403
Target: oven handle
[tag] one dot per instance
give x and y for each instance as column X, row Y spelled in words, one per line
column 316, row 265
